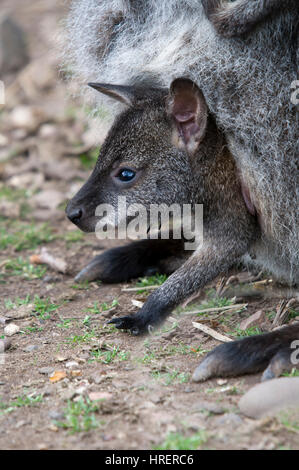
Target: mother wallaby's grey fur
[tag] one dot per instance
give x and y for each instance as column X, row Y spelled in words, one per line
column 246, row 81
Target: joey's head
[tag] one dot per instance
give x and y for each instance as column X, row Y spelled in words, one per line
column 148, row 155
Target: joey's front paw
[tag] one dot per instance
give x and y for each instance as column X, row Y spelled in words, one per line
column 136, row 323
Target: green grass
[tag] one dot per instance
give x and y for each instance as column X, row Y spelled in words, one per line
column 73, row 236
column 293, row 313
column 294, row 373
column 19, row 402
column 13, row 194
column 183, row 349
column 290, row 422
column 147, row 358
column 169, row 377
column 214, row 301
column 32, row 329
column 177, row 441
column 100, row 308
column 78, row 339
column 229, row 390
column 44, row 307
column 80, row 416
column 9, row 304
column 21, row 267
column 81, row 286
column 106, row 357
column 66, row 324
column 252, row 331
column 155, row 280
column 26, row 401
column 25, row 236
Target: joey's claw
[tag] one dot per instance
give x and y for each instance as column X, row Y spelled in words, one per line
column 125, row 323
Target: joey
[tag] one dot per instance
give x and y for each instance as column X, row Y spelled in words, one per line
column 165, row 148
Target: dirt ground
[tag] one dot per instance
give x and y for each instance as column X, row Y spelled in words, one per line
column 69, row 380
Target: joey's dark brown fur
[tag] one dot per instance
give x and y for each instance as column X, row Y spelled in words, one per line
column 179, row 156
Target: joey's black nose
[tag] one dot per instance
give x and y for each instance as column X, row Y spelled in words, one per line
column 75, row 215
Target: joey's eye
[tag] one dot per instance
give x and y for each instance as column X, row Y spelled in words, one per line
column 125, row 175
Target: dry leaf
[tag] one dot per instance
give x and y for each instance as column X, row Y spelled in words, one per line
column 57, row 376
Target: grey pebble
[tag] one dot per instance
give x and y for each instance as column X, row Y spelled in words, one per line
column 55, row 414
column 4, row 345
column 30, row 348
column 13, row 50
column 211, row 407
column 46, row 370
column 229, row 419
column 267, row 398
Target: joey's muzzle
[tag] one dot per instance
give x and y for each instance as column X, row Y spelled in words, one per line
column 74, row 214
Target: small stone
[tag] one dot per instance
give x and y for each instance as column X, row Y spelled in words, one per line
column 71, row 364
column 10, row 209
column 81, row 390
column 11, row 329
column 4, row 321
column 3, row 140
column 60, row 358
column 189, row 389
column 55, row 414
column 97, row 378
column 53, row 428
column 20, row 424
column 229, row 419
column 4, row 345
column 46, row 392
column 48, row 130
column 49, row 278
column 30, row 348
column 42, row 446
column 211, row 407
column 93, row 396
column 68, row 394
column 23, row 311
column 26, row 117
column 254, row 320
column 13, row 49
column 76, row 373
column 48, row 199
column 267, row 398
column 221, row 381
column 46, row 370
column 28, row 180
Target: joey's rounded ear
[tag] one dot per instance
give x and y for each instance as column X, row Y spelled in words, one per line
column 188, row 109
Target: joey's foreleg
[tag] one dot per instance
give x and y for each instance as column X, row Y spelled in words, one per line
column 131, row 261
column 214, row 257
column 239, row 17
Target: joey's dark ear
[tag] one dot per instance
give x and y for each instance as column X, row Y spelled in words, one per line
column 125, row 94
column 188, row 109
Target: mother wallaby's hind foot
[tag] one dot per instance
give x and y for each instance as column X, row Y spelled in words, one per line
column 273, row 352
